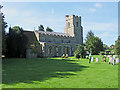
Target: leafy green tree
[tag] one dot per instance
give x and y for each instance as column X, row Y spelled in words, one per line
column 80, row 52
column 93, row 44
column 41, row 28
column 4, row 26
column 77, row 56
column 49, row 29
column 105, row 47
column 89, row 34
column 16, row 42
column 117, row 46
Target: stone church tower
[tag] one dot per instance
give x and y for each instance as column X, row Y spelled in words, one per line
column 73, row 28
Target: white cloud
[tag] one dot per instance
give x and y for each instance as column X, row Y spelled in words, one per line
column 92, row 10
column 98, row 5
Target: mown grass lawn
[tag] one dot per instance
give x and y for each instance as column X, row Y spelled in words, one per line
column 58, row 73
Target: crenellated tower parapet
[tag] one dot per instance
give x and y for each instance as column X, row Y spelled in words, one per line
column 73, row 27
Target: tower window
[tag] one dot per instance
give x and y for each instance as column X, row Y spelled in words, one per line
column 68, row 24
column 77, row 24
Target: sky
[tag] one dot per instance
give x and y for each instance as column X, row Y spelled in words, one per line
column 100, row 17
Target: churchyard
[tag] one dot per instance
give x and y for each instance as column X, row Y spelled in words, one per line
column 59, row 73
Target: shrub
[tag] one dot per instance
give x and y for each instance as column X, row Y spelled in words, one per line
column 102, row 53
column 77, row 56
column 80, row 51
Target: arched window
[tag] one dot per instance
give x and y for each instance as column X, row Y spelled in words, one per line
column 53, row 40
column 68, row 25
column 66, row 50
column 76, row 24
column 57, row 51
column 50, row 50
column 72, row 50
column 68, row 41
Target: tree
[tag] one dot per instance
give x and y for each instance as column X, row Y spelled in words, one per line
column 4, row 26
column 105, row 47
column 117, row 46
column 89, row 34
column 80, row 52
column 16, row 42
column 93, row 44
column 49, row 29
column 77, row 56
column 41, row 28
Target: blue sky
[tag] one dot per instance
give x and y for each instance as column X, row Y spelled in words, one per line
column 100, row 17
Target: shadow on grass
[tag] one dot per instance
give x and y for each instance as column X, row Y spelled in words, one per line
column 29, row 70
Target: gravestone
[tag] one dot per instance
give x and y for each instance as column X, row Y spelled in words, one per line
column 92, row 59
column 110, row 60
column 97, row 59
column 114, row 56
column 117, row 60
column 104, row 58
column 113, row 61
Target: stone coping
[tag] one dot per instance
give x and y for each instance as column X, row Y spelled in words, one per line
column 60, row 43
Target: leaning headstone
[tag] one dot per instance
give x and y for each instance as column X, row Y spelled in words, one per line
column 97, row 60
column 117, row 60
column 104, row 58
column 110, row 60
column 113, row 61
column 92, row 59
column 114, row 56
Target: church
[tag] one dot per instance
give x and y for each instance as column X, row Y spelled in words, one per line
column 56, row 44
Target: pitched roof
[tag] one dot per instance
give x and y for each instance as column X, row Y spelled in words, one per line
column 31, row 36
column 53, row 33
